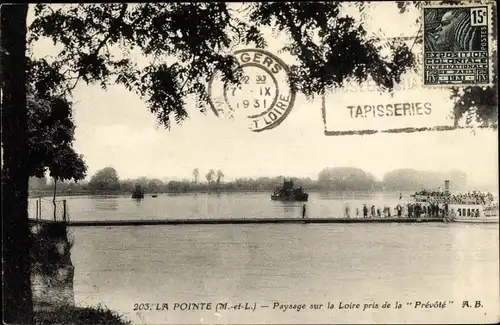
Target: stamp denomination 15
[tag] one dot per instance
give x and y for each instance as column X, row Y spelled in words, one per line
column 264, row 96
column 457, row 45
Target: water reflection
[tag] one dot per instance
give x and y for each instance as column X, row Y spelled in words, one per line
column 259, row 262
column 52, row 269
column 222, row 205
column 105, row 203
column 290, row 209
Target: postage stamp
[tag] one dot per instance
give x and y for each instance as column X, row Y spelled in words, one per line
column 264, row 96
column 457, row 45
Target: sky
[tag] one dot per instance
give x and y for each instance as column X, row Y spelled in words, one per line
column 115, row 128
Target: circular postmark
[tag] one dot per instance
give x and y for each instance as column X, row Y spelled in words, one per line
column 264, row 96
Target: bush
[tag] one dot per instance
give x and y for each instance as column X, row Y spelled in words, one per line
column 79, row 315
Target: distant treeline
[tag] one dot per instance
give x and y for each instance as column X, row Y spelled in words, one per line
column 106, row 181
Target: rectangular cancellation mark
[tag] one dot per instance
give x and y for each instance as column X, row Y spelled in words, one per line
column 457, row 45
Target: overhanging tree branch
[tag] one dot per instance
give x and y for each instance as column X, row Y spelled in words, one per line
column 113, row 28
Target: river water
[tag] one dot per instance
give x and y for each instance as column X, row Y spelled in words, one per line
column 281, row 263
column 221, row 205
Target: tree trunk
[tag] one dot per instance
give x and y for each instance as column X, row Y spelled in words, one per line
column 54, row 200
column 16, row 267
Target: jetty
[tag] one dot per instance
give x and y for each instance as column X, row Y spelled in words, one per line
column 222, row 221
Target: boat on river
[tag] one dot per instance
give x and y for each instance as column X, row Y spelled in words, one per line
column 288, row 193
column 471, row 207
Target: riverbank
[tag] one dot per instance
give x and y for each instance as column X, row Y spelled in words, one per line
column 229, row 221
column 71, row 315
column 50, row 194
column 52, row 277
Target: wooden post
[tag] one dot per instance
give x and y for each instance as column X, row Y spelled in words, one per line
column 40, row 206
column 64, row 210
column 36, row 215
column 54, row 200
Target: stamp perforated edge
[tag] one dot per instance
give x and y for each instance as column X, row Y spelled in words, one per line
column 489, row 5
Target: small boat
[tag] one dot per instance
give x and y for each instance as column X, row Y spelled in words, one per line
column 154, row 195
column 138, row 192
column 288, row 193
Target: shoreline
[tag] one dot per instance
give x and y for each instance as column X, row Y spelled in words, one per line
column 220, row 221
column 49, row 194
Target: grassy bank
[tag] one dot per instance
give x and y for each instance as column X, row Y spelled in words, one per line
column 52, row 281
column 72, row 315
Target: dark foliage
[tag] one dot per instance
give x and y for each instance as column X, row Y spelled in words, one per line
column 105, row 179
column 79, row 316
column 90, row 34
column 331, row 48
column 50, row 139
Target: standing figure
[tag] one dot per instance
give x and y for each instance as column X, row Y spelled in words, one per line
column 410, row 210
column 417, row 210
